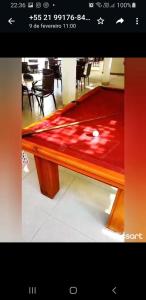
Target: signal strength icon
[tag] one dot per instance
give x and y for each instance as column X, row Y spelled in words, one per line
column 112, row 6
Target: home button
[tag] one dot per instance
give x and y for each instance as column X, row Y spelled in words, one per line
column 73, row 290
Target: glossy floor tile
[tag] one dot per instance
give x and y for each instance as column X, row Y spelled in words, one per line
column 55, row 231
column 81, row 205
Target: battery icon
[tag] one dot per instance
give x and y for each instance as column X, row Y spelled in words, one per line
column 134, row 5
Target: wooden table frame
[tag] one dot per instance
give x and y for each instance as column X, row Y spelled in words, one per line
column 47, row 161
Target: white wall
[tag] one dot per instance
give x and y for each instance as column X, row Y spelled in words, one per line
column 106, row 70
column 68, row 66
column 117, row 65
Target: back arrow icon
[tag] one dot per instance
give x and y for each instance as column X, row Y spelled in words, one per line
column 114, row 290
column 11, row 21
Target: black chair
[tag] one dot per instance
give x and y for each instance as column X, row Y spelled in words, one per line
column 86, row 59
column 79, row 74
column 46, row 63
column 26, row 72
column 25, row 68
column 81, row 62
column 27, row 77
column 27, row 92
column 57, row 73
column 95, row 61
column 90, row 60
column 47, row 71
column 33, row 65
column 87, row 73
column 39, row 86
column 44, row 90
column 52, row 62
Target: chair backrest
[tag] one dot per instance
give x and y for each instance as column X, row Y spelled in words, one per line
column 86, row 59
column 57, row 71
column 48, row 84
column 24, row 88
column 51, row 62
column 28, row 77
column 79, row 72
column 81, row 62
column 25, row 68
column 33, row 67
column 47, row 71
column 88, row 69
column 96, row 59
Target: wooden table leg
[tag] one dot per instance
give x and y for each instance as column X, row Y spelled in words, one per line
column 48, row 176
column 116, row 218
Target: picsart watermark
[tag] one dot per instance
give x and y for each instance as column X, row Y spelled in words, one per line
column 133, row 236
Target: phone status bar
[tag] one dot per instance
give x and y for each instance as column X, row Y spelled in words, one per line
column 48, row 5
column 73, row 16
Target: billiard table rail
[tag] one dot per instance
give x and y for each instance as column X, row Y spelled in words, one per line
column 96, row 172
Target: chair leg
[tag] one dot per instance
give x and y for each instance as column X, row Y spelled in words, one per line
column 29, row 98
column 61, row 85
column 84, row 82
column 32, row 100
column 22, row 101
column 81, row 85
column 57, row 82
column 54, row 101
column 42, row 106
column 88, row 80
column 38, row 102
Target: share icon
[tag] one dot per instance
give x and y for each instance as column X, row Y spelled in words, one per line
column 121, row 20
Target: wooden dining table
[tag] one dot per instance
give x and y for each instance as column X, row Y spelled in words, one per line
column 36, row 77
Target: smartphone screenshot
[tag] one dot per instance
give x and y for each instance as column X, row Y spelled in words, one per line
column 73, row 149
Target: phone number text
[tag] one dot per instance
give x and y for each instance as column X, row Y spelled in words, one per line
column 59, row 17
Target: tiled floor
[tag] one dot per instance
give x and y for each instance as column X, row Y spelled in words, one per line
column 80, row 210
column 78, row 213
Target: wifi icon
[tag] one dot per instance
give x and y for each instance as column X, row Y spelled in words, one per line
column 99, row 5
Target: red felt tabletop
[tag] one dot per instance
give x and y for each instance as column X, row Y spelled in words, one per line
column 106, row 150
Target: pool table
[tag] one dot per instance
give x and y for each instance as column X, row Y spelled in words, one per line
column 74, row 147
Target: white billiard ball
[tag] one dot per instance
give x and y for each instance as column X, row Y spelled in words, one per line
column 95, row 133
